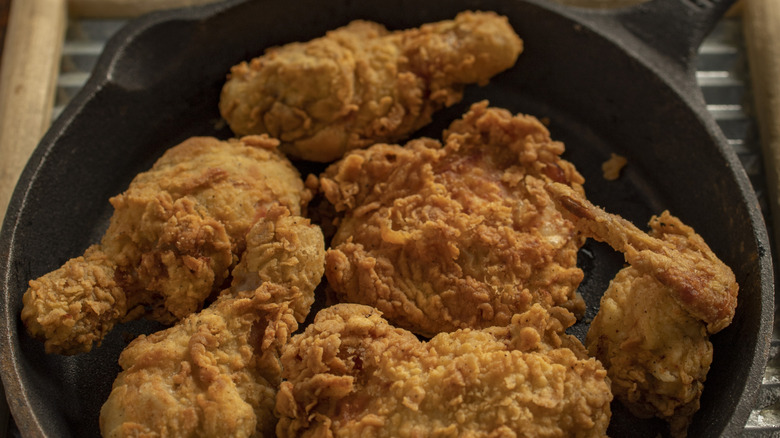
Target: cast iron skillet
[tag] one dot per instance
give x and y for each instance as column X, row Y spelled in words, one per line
column 609, row 81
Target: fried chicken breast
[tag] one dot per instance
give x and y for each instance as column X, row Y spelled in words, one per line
column 174, row 236
column 350, row 373
column 362, row 84
column 460, row 235
column 652, row 328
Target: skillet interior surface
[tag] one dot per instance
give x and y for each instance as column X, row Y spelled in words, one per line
column 159, row 83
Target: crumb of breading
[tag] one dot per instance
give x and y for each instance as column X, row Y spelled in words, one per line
column 612, row 167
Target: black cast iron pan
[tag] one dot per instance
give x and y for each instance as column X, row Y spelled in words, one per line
column 609, row 81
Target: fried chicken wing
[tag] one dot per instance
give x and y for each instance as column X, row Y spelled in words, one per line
column 673, row 254
column 656, row 353
column 213, row 374
column 361, row 84
column 651, row 330
column 174, row 236
column 441, row 237
column 350, row 373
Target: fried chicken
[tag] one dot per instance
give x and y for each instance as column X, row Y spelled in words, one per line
column 286, row 250
column 673, row 254
column 461, row 235
column 215, row 373
column 362, row 84
column 174, row 236
column 352, row 374
column 651, row 331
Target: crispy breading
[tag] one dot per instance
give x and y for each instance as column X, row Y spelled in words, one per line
column 286, row 250
column 174, row 236
column 656, row 353
column 672, row 254
column 350, row 373
column 213, row 374
column 652, row 328
column 361, row 84
column 441, row 237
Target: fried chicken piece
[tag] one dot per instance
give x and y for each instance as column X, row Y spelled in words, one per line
column 174, row 236
column 215, row 373
column 673, row 254
column 353, row 374
column 361, row 84
column 651, row 330
column 656, row 353
column 460, row 235
column 286, row 250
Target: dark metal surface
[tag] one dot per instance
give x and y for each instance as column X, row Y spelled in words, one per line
column 604, row 88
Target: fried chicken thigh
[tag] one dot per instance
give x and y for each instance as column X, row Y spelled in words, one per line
column 460, row 235
column 361, row 84
column 174, row 236
column 651, row 331
column 350, row 373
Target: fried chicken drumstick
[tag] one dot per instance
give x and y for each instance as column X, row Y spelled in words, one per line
column 216, row 373
column 460, row 235
column 174, row 236
column 351, row 373
column 361, row 84
column 651, row 330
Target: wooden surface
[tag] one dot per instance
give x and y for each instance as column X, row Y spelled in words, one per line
column 761, row 24
column 28, row 74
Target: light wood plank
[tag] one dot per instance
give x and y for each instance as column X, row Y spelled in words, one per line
column 28, row 76
column 761, row 23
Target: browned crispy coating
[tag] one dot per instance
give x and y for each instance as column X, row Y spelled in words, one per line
column 441, row 237
column 286, row 250
column 673, row 254
column 361, row 84
column 175, row 233
column 656, row 353
column 217, row 372
column 213, row 374
column 352, row 374
column 652, row 329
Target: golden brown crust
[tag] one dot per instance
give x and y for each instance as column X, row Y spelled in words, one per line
column 76, row 305
column 361, row 84
column 656, row 353
column 214, row 373
column 286, row 250
column 174, row 236
column 461, row 235
column 652, row 328
column 672, row 253
column 353, row 374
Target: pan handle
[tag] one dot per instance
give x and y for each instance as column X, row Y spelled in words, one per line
column 674, row 28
